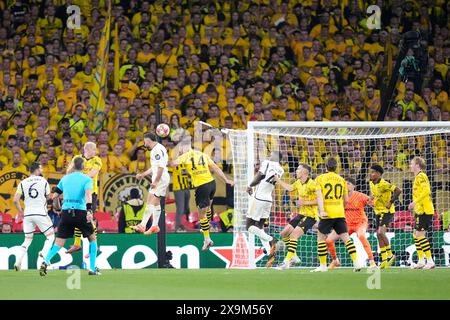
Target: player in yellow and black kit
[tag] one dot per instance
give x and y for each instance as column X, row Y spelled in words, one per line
column 92, row 167
column 306, row 189
column 424, row 210
column 383, row 195
column 332, row 196
column 198, row 165
column 181, row 186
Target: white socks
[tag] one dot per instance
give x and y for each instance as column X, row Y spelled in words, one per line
column 264, row 237
column 48, row 244
column 147, row 213
column 156, row 215
column 23, row 249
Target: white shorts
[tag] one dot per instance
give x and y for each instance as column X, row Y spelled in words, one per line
column 161, row 188
column 258, row 209
column 44, row 223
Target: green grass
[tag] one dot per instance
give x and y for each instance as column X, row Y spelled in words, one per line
column 227, row 284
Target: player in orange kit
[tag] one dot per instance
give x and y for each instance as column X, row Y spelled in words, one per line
column 356, row 220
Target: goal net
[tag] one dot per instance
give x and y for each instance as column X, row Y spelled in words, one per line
column 357, row 146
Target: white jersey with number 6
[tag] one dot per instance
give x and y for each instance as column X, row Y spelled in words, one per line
column 34, row 190
column 264, row 189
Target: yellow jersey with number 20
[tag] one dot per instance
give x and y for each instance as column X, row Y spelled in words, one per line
column 333, row 189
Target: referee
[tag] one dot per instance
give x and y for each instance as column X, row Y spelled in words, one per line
column 76, row 213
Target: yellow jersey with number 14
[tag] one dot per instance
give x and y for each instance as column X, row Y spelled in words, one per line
column 197, row 164
column 333, row 189
column 89, row 164
column 423, row 204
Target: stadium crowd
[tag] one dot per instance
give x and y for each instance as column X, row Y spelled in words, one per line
column 221, row 62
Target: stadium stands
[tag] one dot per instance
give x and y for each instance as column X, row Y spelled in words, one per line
column 233, row 62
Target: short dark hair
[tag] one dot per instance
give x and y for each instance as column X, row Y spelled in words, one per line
column 332, row 164
column 305, row 166
column 377, row 168
column 151, row 136
column 78, row 163
column 34, row 166
column 351, row 180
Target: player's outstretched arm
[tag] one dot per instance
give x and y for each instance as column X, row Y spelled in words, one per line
column 220, row 173
column 256, row 180
column 285, row 185
column 144, row 174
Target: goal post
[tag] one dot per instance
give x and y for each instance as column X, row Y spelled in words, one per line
column 357, row 146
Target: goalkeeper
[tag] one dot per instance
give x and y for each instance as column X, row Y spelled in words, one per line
column 76, row 213
column 356, row 221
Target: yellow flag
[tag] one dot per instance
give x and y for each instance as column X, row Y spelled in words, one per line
column 98, row 91
column 116, row 57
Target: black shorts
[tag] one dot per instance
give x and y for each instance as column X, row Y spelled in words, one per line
column 204, row 194
column 423, row 222
column 384, row 219
column 306, row 223
column 71, row 219
column 294, row 222
column 338, row 224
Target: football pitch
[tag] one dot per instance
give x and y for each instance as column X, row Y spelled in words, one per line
column 227, row 284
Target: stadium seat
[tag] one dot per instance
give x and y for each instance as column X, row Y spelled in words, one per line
column 17, row 227
column 103, row 216
column 279, row 219
column 193, row 217
column 170, row 200
column 5, row 218
column 403, row 220
column 170, row 221
column 437, row 223
column 108, row 226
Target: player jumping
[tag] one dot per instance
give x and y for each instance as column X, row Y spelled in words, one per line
column 383, row 195
column 356, row 221
column 159, row 185
column 260, row 203
column 308, row 212
column 34, row 191
column 424, row 210
column 198, row 165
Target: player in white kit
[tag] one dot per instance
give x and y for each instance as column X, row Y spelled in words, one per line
column 34, row 191
column 260, row 202
column 159, row 185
